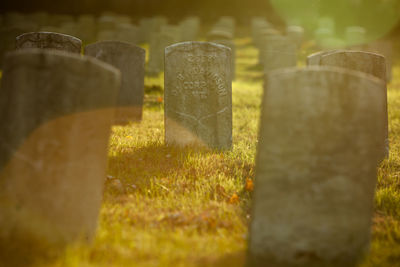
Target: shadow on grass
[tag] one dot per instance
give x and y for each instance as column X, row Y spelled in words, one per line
column 139, row 165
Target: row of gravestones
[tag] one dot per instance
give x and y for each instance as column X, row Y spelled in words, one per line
column 90, row 28
column 323, row 132
column 278, row 51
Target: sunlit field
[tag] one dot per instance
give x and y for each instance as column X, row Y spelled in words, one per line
column 165, row 206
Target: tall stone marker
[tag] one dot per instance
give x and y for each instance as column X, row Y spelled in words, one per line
column 367, row 62
column 320, row 137
column 49, row 40
column 53, row 145
column 198, row 95
column 315, row 58
column 130, row 60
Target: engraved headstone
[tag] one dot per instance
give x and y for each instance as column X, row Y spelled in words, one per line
column 366, row 62
column 198, row 95
column 318, row 150
column 130, row 60
column 49, row 40
column 53, row 145
column 231, row 45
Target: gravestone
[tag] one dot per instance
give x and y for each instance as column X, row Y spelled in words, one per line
column 130, row 60
column 278, row 52
column 126, row 32
column 321, row 132
column 315, row 58
column 198, row 95
column 370, row 63
column 190, row 29
column 296, row 34
column 53, row 145
column 355, row 36
column 49, row 40
column 174, row 31
column 231, row 45
column 383, row 47
column 158, row 43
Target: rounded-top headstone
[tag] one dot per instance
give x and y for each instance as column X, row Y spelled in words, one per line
column 53, row 144
column 49, row 40
column 130, row 60
column 320, row 137
column 198, row 95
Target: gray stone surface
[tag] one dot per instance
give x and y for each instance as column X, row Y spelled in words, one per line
column 320, row 137
column 366, row 62
column 130, row 60
column 278, row 53
column 49, row 40
column 53, row 145
column 315, row 58
column 231, row 45
column 383, row 47
column 198, row 95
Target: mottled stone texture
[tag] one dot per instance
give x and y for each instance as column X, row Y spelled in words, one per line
column 278, row 53
column 315, row 58
column 231, row 45
column 56, row 117
column 130, row 60
column 370, row 63
column 49, row 40
column 321, row 131
column 198, row 95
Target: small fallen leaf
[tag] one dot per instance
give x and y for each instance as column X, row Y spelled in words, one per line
column 249, row 185
column 234, row 199
column 159, row 99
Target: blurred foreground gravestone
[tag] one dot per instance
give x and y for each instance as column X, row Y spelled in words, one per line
column 198, row 95
column 319, row 144
column 130, row 60
column 49, row 40
column 56, row 110
column 366, row 62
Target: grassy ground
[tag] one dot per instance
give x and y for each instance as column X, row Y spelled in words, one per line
column 189, row 207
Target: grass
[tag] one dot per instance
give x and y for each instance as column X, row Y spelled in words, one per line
column 190, row 207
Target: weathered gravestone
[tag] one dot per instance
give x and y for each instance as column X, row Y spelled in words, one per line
column 130, row 60
column 320, row 137
column 49, row 40
column 278, row 53
column 198, row 95
column 315, row 58
column 231, row 45
column 56, row 115
column 385, row 48
column 370, row 63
